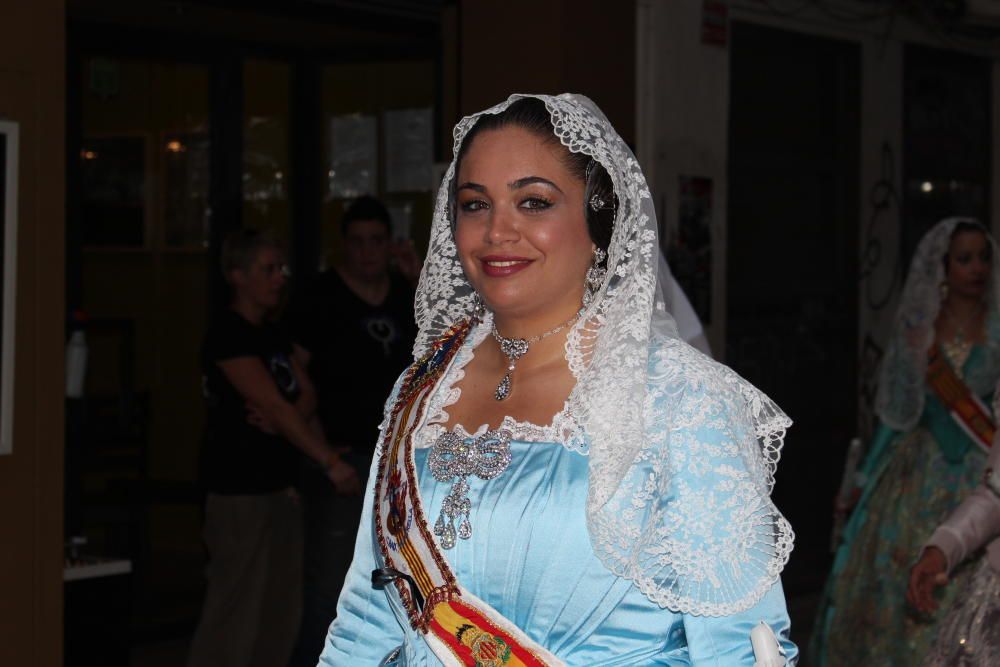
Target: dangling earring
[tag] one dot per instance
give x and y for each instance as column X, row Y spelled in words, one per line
column 595, row 277
column 943, row 289
column 478, row 307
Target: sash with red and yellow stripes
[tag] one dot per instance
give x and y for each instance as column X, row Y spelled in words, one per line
column 968, row 411
column 460, row 629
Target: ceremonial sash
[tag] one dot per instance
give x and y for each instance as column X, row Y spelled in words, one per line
column 968, row 411
column 460, row 629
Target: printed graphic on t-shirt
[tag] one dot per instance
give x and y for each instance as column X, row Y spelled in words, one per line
column 383, row 330
column 284, row 376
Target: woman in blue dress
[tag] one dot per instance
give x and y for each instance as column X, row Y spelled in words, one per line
column 935, row 388
column 560, row 480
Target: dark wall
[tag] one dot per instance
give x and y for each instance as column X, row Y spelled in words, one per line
column 32, row 93
column 791, row 268
column 520, row 46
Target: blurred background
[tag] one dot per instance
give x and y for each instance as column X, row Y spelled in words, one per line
column 796, row 151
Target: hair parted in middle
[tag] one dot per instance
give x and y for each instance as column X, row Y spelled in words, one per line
column 532, row 115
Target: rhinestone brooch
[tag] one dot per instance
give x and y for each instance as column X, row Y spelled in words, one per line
column 454, row 458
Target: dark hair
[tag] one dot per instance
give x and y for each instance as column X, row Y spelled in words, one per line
column 240, row 248
column 531, row 114
column 366, row 208
column 968, row 226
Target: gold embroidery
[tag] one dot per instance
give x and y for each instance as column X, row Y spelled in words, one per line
column 487, row 650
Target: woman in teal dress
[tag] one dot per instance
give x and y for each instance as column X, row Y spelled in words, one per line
column 560, row 479
column 924, row 457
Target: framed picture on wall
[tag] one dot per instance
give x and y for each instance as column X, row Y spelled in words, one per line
column 8, row 257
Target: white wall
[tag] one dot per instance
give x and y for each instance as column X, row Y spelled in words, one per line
column 682, row 106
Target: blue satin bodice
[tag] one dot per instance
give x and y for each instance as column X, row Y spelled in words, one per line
column 530, row 558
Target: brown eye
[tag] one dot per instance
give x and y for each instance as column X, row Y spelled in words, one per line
column 536, row 204
column 473, row 206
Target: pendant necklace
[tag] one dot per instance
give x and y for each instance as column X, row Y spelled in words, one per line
column 958, row 348
column 515, row 348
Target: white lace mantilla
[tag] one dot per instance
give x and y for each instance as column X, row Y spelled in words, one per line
column 563, row 429
column 899, row 400
column 682, row 451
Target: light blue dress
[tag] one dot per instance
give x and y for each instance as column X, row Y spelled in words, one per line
column 530, row 558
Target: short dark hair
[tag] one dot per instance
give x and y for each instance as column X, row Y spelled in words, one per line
column 366, row 208
column 531, row 114
column 240, row 248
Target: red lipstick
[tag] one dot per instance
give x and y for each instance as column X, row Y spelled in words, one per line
column 500, row 266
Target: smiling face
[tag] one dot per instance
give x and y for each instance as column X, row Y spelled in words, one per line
column 520, row 229
column 970, row 262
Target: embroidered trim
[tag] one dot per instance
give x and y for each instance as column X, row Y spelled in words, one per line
column 420, row 377
column 470, row 629
column 476, row 640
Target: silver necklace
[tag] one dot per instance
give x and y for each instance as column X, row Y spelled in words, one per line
column 515, row 348
column 957, row 349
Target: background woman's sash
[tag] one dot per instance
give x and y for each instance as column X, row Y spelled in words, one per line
column 965, row 408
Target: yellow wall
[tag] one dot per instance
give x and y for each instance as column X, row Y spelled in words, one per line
column 32, row 92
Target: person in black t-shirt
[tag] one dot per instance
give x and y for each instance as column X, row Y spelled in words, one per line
column 355, row 323
column 259, row 404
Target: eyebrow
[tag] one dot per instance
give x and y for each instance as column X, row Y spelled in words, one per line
column 516, row 185
column 472, row 186
column 528, row 180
